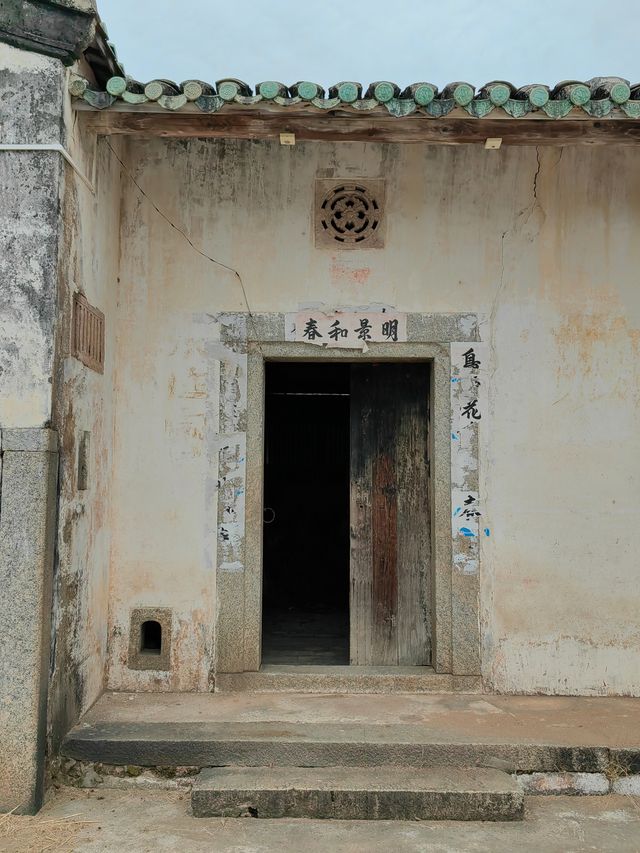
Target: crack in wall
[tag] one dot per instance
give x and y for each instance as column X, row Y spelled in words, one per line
column 537, row 173
column 536, row 201
column 520, row 222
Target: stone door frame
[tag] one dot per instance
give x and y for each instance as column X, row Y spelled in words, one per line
column 246, row 343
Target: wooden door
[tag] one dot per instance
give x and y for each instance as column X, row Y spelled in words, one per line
column 390, row 520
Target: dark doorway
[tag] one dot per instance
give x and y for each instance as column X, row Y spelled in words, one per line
column 306, row 529
column 347, row 541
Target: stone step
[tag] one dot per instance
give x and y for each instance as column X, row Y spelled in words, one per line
column 358, row 793
column 296, row 744
column 525, row 734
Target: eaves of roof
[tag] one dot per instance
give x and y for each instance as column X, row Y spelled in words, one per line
column 64, row 29
column 597, row 98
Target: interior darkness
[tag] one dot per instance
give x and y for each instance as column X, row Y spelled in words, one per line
column 151, row 637
column 306, row 529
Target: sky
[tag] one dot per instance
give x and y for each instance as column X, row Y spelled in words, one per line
column 405, row 41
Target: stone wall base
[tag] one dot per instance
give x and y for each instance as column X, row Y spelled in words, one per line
column 27, row 533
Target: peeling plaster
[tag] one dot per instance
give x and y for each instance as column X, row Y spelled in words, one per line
column 469, row 413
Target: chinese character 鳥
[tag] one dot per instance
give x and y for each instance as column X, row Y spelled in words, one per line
column 336, row 331
column 364, row 330
column 390, row 330
column 470, row 359
column 311, row 330
column 471, row 411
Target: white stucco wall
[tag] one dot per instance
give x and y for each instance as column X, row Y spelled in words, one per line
column 542, row 244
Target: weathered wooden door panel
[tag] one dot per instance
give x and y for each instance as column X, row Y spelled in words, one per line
column 390, row 541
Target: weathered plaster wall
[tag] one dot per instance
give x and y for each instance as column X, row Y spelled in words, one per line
column 89, row 245
column 31, row 90
column 541, row 244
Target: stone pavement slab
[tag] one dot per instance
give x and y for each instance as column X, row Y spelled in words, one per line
column 146, row 822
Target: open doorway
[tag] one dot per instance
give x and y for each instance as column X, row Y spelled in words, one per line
column 346, row 536
column 306, row 519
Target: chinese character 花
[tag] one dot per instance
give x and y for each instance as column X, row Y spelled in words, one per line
column 471, row 411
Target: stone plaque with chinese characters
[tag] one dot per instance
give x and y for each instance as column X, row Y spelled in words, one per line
column 352, row 329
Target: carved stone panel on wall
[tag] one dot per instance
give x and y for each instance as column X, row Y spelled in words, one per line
column 349, row 214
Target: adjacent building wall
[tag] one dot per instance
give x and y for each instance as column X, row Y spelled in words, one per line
column 56, row 237
column 541, row 243
column 31, row 97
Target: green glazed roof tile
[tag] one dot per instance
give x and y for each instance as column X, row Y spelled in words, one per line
column 600, row 96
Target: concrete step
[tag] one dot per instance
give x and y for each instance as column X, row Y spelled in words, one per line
column 358, row 793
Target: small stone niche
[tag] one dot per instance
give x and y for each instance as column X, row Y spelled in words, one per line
column 150, row 638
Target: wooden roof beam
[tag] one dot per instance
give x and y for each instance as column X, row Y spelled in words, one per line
column 335, row 128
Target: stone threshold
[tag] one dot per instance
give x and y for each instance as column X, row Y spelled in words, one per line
column 273, row 678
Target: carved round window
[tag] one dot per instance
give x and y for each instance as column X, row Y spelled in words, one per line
column 350, row 214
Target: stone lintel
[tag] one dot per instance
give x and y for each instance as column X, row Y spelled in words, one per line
column 421, row 328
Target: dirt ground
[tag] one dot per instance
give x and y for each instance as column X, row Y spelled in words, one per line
column 154, row 821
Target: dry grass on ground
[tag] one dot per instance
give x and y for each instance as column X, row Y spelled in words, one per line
column 26, row 834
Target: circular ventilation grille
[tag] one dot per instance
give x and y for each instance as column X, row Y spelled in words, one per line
column 349, row 214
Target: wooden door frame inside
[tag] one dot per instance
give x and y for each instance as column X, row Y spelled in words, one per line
column 246, row 346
